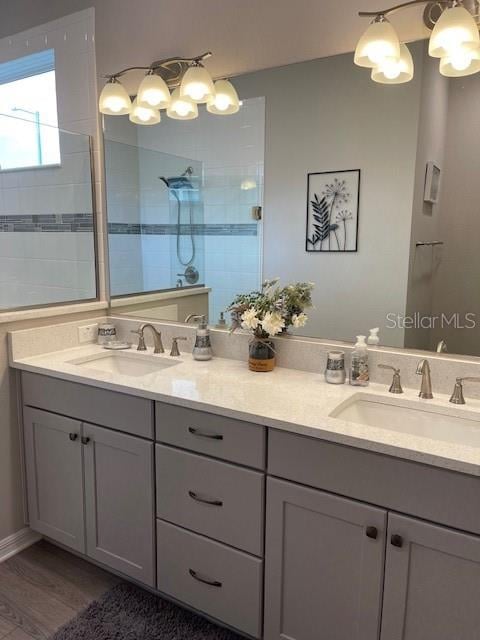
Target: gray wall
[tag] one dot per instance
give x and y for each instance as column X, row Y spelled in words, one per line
column 424, row 261
column 456, row 281
column 328, row 115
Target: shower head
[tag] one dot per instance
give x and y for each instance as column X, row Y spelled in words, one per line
column 178, row 182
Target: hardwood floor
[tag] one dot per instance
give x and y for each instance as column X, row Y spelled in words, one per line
column 44, row 587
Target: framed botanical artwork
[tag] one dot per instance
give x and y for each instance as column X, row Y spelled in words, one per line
column 333, row 199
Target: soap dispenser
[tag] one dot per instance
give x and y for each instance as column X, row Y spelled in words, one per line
column 359, row 376
column 203, row 346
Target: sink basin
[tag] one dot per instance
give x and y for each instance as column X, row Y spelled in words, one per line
column 124, row 364
column 433, row 422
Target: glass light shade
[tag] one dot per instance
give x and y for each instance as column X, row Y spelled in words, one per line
column 182, row 108
column 197, row 84
column 114, row 100
column 463, row 62
column 393, row 71
column 455, row 28
column 153, row 93
column 143, row 115
column 225, row 101
column 379, row 41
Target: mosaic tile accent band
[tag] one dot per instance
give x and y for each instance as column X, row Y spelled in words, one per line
column 171, row 229
column 45, row 223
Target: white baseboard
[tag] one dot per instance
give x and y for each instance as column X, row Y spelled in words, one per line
column 17, row 542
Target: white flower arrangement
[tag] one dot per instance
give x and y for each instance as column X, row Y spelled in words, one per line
column 272, row 310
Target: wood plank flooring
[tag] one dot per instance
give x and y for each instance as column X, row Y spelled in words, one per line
column 43, row 587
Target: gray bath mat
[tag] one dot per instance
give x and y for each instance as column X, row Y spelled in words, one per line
column 127, row 612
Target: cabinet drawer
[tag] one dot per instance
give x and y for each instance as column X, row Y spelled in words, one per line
column 213, row 435
column 214, row 579
column 219, row 500
column 431, row 493
column 89, row 404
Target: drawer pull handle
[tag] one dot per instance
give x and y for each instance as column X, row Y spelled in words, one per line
column 212, row 583
column 73, row 436
column 202, row 434
column 372, row 532
column 396, row 540
column 215, row 503
column 85, row 440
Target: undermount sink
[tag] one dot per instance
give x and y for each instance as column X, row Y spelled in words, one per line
column 124, row 364
column 431, row 422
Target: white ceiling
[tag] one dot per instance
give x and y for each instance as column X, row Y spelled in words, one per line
column 245, row 35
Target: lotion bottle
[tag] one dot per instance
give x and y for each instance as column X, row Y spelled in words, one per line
column 359, row 375
column 203, row 346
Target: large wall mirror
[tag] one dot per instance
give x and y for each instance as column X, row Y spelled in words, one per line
column 389, row 171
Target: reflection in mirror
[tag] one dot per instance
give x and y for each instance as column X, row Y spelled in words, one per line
column 180, row 197
column 47, row 242
column 408, row 154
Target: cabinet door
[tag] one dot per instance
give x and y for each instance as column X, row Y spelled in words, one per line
column 119, row 502
column 53, row 460
column 324, row 565
column 432, row 583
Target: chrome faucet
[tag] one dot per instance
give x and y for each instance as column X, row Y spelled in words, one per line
column 423, row 369
column 157, row 338
column 457, row 395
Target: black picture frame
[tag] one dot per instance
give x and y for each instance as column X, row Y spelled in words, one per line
column 323, row 233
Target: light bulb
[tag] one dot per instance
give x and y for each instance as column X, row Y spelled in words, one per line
column 379, row 42
column 225, row 101
column 197, row 84
column 461, row 59
column 463, row 62
column 455, row 28
column 153, row 92
column 143, row 115
column 181, row 108
column 114, row 99
column 393, row 70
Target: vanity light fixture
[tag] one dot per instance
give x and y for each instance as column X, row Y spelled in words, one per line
column 143, row 115
column 114, row 99
column 153, row 92
column 182, row 107
column 455, row 40
column 197, row 84
column 187, row 78
column 225, row 101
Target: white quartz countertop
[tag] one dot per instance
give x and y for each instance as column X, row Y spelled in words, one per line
column 285, row 399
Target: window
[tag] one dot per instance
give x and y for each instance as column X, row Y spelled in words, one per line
column 29, row 137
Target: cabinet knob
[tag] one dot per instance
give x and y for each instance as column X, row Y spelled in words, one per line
column 371, row 532
column 73, row 436
column 85, row 440
column 396, row 540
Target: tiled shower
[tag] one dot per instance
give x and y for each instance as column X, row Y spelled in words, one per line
column 47, row 250
column 226, row 158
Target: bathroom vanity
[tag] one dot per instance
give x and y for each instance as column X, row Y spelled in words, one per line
column 274, row 528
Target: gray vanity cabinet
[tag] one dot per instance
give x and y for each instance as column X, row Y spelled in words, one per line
column 432, row 583
column 324, row 565
column 54, row 467
column 119, row 502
